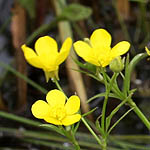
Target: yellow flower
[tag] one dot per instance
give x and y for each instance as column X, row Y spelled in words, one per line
column 97, row 50
column 56, row 110
column 147, row 51
column 47, row 56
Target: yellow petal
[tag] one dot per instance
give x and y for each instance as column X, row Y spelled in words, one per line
column 86, row 52
column 55, row 97
column 40, row 109
column 100, row 37
column 52, row 120
column 69, row 120
column 46, row 46
column 120, row 49
column 73, row 104
column 82, row 49
column 147, row 51
column 64, row 51
column 31, row 57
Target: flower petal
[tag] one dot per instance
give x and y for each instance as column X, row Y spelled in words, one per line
column 52, row 120
column 82, row 49
column 46, row 46
column 120, row 49
column 55, row 97
column 100, row 37
column 40, row 109
column 69, row 120
column 86, row 52
column 147, row 51
column 73, row 104
column 31, row 57
column 64, row 51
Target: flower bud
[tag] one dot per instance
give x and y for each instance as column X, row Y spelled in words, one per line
column 117, row 64
column 87, row 40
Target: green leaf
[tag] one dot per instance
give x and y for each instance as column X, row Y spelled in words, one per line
column 76, row 12
column 89, row 112
column 79, row 63
column 89, row 74
column 99, row 127
column 102, row 95
column 120, row 119
column 126, row 82
column 129, row 68
column 53, row 128
column 76, row 127
column 18, row 74
column 90, row 67
column 108, row 119
column 29, row 5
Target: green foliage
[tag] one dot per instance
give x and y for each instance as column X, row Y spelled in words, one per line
column 29, row 5
column 53, row 128
column 88, row 113
column 76, row 12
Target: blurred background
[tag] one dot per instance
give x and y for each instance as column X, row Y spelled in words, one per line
column 24, row 21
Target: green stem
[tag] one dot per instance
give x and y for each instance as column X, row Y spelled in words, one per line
column 104, row 111
column 104, row 146
column 71, row 137
column 76, row 144
column 139, row 113
column 57, row 84
column 18, row 74
column 92, row 132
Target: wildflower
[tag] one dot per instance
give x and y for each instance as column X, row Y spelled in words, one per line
column 47, row 56
column 56, row 110
column 97, row 50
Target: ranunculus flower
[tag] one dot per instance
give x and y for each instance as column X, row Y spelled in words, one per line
column 56, row 110
column 46, row 55
column 98, row 49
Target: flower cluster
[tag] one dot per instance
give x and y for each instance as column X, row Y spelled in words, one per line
column 96, row 50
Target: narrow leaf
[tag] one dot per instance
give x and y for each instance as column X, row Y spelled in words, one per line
column 53, row 128
column 76, row 12
column 114, row 125
column 102, row 95
column 86, row 114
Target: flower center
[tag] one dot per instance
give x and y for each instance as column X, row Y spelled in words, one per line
column 58, row 112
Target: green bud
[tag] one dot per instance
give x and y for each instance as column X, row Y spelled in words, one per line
column 117, row 64
column 87, row 40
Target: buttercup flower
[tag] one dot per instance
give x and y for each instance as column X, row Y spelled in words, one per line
column 97, row 50
column 46, row 55
column 56, row 110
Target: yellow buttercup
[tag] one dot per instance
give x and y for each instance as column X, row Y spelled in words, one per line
column 98, row 49
column 56, row 110
column 46, row 55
